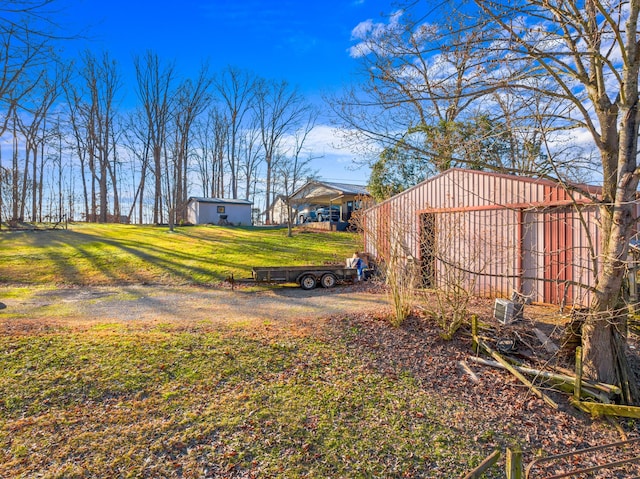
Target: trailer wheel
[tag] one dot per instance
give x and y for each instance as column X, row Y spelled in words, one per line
column 308, row 281
column 328, row 280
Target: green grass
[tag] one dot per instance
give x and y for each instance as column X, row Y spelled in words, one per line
column 185, row 399
column 134, row 403
column 107, row 254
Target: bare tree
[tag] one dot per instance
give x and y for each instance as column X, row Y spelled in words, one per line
column 294, row 166
column 24, row 50
column 280, row 109
column 220, row 139
column 155, row 84
column 136, row 140
column 192, row 98
column 251, row 156
column 15, row 170
column 418, row 89
column 211, row 134
column 101, row 82
column 236, row 89
column 32, row 125
column 586, row 56
column 80, row 147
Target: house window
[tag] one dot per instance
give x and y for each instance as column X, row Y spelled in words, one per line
column 220, row 209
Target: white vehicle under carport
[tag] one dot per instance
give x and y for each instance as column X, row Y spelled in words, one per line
column 308, row 277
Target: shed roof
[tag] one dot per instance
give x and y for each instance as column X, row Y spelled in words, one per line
column 460, row 187
column 223, row 201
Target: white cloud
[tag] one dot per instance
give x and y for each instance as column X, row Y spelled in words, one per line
column 362, row 29
column 322, row 140
column 368, row 33
column 332, row 161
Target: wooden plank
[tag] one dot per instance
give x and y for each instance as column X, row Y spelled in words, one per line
column 578, row 384
column 597, row 409
column 484, row 466
column 519, row 375
column 546, row 342
column 559, row 379
column 514, row 468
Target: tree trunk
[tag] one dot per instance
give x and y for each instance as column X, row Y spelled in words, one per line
column 604, row 334
column 34, row 186
column 157, row 202
column 267, row 196
column 41, row 183
column 85, row 191
column 14, row 177
column 102, row 184
column 25, row 178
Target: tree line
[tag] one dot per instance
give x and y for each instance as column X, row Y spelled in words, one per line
column 69, row 149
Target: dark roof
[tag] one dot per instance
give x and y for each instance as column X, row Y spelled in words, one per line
column 346, row 188
column 224, row 201
column 324, row 191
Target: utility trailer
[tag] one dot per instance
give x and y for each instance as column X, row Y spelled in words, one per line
column 308, row 277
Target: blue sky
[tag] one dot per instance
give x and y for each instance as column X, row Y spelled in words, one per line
column 303, row 42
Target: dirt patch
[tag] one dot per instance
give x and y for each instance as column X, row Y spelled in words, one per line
column 280, row 306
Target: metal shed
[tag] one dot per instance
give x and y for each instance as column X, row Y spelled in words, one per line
column 219, row 211
column 493, row 233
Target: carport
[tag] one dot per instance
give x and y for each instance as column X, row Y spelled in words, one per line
column 347, row 197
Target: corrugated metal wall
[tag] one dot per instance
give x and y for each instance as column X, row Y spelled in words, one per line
column 495, row 233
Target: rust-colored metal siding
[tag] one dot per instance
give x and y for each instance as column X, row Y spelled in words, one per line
column 501, row 233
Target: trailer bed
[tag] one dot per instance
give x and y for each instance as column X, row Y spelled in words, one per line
column 308, row 277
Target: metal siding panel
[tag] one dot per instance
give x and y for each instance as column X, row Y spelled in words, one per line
column 486, row 182
column 584, row 272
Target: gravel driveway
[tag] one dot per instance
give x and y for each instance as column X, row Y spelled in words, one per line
column 158, row 303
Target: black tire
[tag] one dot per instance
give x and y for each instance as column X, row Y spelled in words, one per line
column 328, row 280
column 308, row 281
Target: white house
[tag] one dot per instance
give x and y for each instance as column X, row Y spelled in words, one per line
column 278, row 211
column 219, row 211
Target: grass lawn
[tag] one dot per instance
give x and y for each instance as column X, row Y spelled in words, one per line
column 94, row 254
column 124, row 401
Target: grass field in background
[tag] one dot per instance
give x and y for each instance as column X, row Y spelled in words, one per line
column 91, row 254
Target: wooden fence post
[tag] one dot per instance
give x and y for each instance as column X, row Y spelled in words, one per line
column 514, row 464
column 577, row 391
column 474, row 333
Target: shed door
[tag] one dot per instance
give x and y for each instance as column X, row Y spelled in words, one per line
column 532, row 234
column 558, row 256
column 427, row 249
